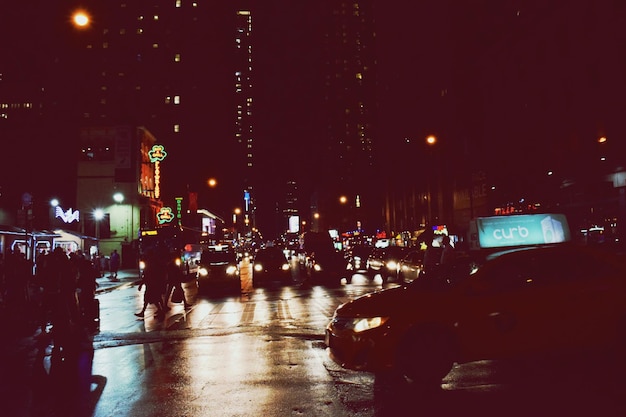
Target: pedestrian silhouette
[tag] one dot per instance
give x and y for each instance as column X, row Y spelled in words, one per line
column 114, row 265
column 155, row 281
column 174, row 292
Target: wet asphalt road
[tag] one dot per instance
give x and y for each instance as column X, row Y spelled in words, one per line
column 261, row 352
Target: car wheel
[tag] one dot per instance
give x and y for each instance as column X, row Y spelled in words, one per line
column 425, row 356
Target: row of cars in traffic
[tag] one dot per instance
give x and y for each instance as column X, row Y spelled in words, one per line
column 219, row 265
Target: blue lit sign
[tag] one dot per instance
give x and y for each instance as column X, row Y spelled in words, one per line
column 521, row 230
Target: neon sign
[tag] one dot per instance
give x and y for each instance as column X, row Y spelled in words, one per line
column 157, row 154
column 179, row 201
column 165, row 215
column 67, row 216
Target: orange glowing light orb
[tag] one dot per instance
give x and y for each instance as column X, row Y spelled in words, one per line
column 80, row 19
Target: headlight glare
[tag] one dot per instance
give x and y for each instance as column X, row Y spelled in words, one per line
column 367, row 323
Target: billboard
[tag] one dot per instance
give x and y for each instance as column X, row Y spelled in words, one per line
column 521, row 230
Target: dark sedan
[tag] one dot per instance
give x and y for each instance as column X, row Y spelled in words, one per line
column 411, row 265
column 518, row 304
column 271, row 265
column 219, row 268
column 384, row 261
column 357, row 258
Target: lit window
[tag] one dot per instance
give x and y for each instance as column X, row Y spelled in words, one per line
column 176, row 128
column 178, row 3
column 168, row 100
column 177, row 58
column 176, row 99
column 155, row 17
column 155, row 45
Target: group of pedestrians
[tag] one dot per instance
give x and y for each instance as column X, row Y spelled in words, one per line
column 68, row 300
column 162, row 279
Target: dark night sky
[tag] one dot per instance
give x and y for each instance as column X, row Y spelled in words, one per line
column 421, row 46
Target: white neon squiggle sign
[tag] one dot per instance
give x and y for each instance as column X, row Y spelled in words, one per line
column 67, row 216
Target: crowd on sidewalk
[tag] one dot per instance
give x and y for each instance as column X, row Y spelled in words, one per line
column 31, row 291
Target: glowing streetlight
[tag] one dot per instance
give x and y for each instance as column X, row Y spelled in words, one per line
column 98, row 214
column 431, row 140
column 212, row 182
column 118, row 197
column 81, row 19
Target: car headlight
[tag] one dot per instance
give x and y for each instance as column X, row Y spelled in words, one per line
column 317, row 267
column 392, row 265
column 203, row 272
column 285, row 267
column 231, row 270
column 258, row 267
column 366, row 323
column 142, row 265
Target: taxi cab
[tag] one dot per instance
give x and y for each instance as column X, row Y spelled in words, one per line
column 518, row 302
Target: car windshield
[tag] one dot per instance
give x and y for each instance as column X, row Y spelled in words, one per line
column 270, row 254
column 209, row 257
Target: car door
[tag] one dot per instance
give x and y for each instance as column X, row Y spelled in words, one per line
column 515, row 305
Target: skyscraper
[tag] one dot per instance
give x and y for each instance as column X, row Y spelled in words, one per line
column 244, row 94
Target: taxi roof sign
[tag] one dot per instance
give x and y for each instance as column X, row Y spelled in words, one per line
column 519, row 230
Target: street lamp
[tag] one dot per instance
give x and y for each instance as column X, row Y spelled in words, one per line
column 81, row 19
column 98, row 214
column 430, row 141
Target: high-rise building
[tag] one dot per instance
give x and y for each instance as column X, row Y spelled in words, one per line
column 350, row 117
column 244, row 94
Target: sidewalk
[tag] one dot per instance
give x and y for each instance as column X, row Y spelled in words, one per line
column 126, row 277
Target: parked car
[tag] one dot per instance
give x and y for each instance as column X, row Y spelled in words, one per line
column 384, row 261
column 520, row 303
column 271, row 265
column 411, row 265
column 219, row 268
